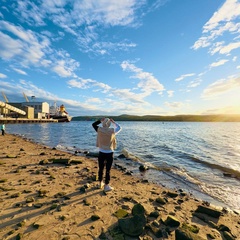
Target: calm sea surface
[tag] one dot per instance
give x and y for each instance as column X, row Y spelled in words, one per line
column 195, row 157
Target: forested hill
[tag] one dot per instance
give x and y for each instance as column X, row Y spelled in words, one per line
column 176, row 118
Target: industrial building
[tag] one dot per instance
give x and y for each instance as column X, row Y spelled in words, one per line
column 23, row 110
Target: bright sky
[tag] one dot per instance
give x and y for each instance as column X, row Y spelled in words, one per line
column 109, row 57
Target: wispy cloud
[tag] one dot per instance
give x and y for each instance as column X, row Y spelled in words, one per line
column 220, row 87
column 32, row 90
column 20, row 71
column 3, row 75
column 94, row 100
column 173, row 104
column 82, row 19
column 33, row 49
column 184, row 76
column 218, row 63
column 170, row 93
column 25, row 45
column 81, row 83
column 129, row 96
column 66, row 68
column 196, row 82
column 220, row 23
column 147, row 82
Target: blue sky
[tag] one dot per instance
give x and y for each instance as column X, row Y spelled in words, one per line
column 109, row 57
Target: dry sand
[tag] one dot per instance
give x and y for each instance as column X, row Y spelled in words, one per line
column 47, row 201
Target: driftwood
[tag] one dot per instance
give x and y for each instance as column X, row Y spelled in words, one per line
column 209, row 211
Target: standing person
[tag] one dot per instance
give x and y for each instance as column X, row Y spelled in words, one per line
column 107, row 143
column 3, row 129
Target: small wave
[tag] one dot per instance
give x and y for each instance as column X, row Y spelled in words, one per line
column 186, row 177
column 230, row 197
column 68, row 148
column 224, row 169
column 131, row 156
column 164, row 147
column 150, row 156
column 173, row 171
column 61, row 147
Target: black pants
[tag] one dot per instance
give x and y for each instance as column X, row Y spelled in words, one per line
column 102, row 159
column 3, row 132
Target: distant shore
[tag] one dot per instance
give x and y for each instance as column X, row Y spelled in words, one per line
column 176, row 118
column 157, row 118
column 50, row 194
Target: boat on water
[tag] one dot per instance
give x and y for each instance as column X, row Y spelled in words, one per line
column 59, row 113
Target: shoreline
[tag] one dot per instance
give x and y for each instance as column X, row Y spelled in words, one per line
column 43, row 200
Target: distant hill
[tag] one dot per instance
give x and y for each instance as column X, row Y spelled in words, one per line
column 176, row 118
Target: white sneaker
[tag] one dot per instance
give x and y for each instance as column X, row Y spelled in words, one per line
column 107, row 188
column 101, row 184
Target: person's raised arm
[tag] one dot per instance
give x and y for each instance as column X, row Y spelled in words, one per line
column 95, row 125
column 117, row 127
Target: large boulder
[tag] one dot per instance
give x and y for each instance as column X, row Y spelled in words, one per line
column 132, row 226
column 138, row 209
column 209, row 211
column 172, row 222
column 184, row 234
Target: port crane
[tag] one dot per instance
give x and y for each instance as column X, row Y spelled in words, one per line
column 8, row 107
column 5, row 97
column 25, row 96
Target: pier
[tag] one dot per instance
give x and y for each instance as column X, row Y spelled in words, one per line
column 26, row 120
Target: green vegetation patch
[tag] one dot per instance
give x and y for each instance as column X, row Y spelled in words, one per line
column 191, row 228
column 121, row 213
column 11, row 156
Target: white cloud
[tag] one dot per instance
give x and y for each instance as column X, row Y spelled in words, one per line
column 103, row 87
column 228, row 48
column 127, row 95
column 9, row 47
column 32, row 90
column 29, row 46
column 3, row 75
column 228, row 12
column 174, row 104
column 218, row 63
column 184, row 76
column 81, row 83
column 83, row 18
column 105, row 12
column 194, row 83
column 106, row 47
column 225, row 20
column 147, row 82
column 65, row 68
column 170, row 93
column 19, row 71
column 94, row 100
column 220, row 87
column 30, row 13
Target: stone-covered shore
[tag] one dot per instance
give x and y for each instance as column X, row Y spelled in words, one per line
column 49, row 194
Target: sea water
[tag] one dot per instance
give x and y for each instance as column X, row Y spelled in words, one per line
column 198, row 157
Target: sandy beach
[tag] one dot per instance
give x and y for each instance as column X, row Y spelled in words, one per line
column 49, row 194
